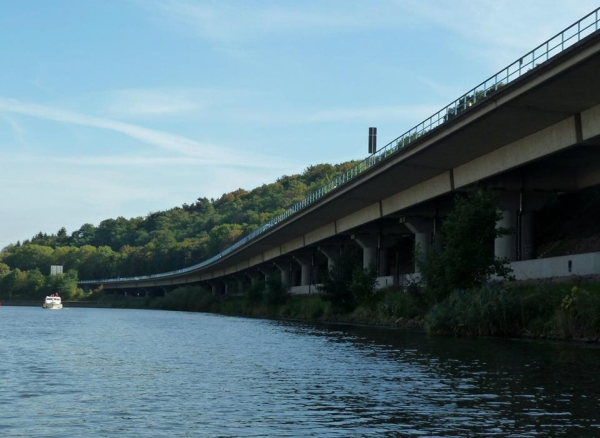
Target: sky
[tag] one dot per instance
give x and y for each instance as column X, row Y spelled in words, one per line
column 127, row 107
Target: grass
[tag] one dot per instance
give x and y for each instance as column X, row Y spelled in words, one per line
column 558, row 310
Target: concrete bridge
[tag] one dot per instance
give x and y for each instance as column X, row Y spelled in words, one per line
column 529, row 132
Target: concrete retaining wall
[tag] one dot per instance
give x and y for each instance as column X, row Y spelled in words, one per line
column 564, row 266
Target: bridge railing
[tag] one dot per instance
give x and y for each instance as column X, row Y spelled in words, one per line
column 542, row 53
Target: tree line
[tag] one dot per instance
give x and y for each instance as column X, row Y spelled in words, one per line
column 161, row 241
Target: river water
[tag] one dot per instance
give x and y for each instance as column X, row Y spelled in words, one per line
column 138, row 373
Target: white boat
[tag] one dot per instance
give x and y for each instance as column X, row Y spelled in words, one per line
column 53, row 302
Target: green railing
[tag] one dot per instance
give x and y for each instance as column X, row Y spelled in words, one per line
column 542, row 53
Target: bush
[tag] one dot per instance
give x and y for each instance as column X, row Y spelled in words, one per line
column 464, row 258
column 491, row 310
column 256, row 291
column 336, row 285
column 187, row 298
column 362, row 285
column 397, row 303
column 275, row 292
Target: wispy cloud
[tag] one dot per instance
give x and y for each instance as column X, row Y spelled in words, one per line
column 18, row 130
column 242, row 21
column 126, row 160
column 151, row 103
column 204, row 152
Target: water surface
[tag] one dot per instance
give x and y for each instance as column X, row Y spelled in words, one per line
column 107, row 372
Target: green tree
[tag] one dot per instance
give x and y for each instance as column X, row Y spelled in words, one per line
column 13, row 283
column 347, row 283
column 31, row 256
column 4, row 269
column 464, row 257
column 275, row 292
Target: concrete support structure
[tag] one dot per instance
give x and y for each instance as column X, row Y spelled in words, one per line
column 266, row 270
column 370, row 246
column 254, row 275
column 518, row 210
column 376, row 251
column 506, row 246
column 306, row 262
column 423, row 228
column 216, row 287
column 527, row 242
column 286, row 271
column 240, row 280
column 332, row 252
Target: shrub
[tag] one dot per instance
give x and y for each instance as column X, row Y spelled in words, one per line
column 256, row 291
column 491, row 310
column 463, row 258
column 275, row 292
column 336, row 285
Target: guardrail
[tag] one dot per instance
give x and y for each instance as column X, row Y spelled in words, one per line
column 542, row 53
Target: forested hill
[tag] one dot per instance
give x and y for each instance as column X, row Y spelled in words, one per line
column 165, row 240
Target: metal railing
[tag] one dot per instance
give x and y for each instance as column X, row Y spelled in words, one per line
column 542, row 53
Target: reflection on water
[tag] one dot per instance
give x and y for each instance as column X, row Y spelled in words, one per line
column 102, row 372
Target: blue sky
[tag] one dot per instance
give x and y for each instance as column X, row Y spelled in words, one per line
column 125, row 107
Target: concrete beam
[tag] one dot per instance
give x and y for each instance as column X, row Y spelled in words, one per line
column 272, row 253
column 292, row 245
column 545, row 142
column 421, row 192
column 320, row 234
column 590, row 123
column 256, row 260
column 218, row 274
column 367, row 214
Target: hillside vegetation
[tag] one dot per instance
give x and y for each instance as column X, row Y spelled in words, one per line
column 161, row 241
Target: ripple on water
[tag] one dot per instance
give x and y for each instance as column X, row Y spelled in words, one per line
column 144, row 373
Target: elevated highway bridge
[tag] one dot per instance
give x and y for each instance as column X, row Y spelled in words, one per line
column 529, row 132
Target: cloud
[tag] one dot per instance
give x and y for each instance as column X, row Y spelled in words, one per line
column 18, row 130
column 126, row 160
column 135, row 103
column 241, row 22
column 206, row 152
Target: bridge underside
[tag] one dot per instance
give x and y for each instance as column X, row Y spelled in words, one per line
column 536, row 137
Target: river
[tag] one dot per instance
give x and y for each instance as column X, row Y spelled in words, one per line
column 138, row 373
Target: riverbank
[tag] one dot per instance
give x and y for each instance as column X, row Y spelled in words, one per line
column 560, row 310
column 557, row 310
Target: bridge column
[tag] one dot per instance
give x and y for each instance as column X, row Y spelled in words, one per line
column 370, row 246
column 422, row 228
column 305, row 262
column 529, row 204
column 254, row 275
column 266, row 270
column 286, row 271
column 216, row 286
column 518, row 209
column 384, row 262
column 240, row 279
column 332, row 253
column 527, row 234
